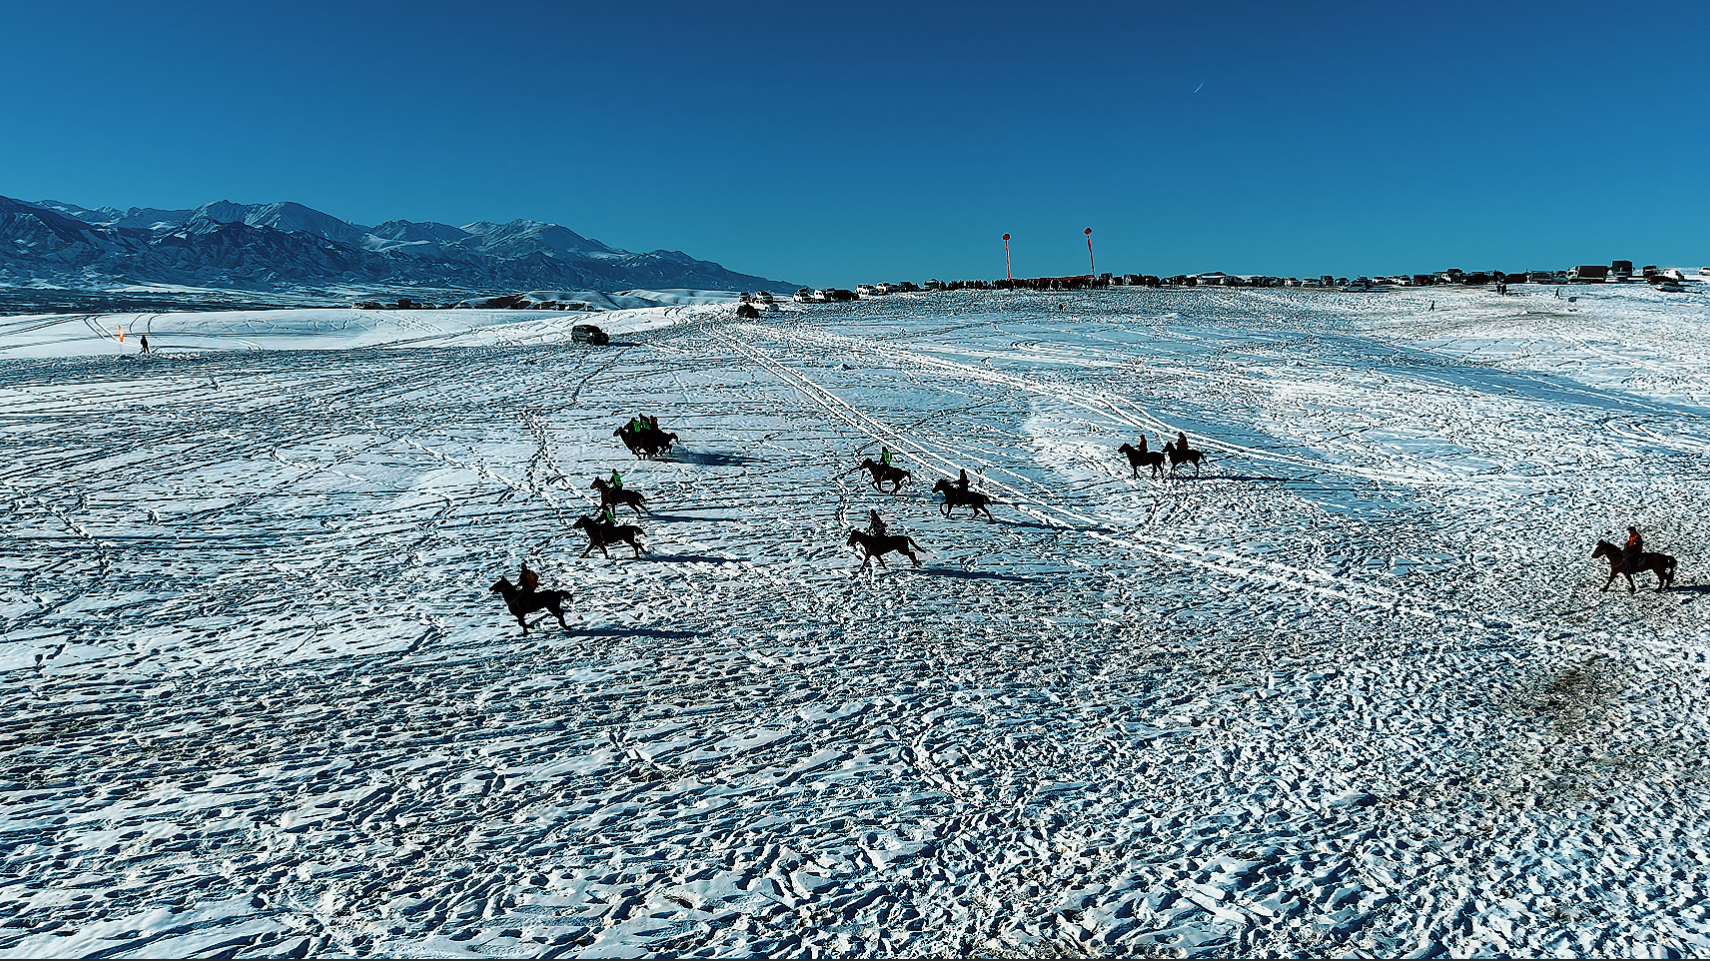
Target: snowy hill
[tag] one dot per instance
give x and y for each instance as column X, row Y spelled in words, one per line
column 287, row 245
column 1349, row 690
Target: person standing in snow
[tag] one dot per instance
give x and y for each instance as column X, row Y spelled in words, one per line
column 144, row 339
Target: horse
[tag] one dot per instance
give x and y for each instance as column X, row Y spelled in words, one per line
column 601, row 533
column 647, row 442
column 875, row 545
column 1662, row 565
column 956, row 495
column 885, row 473
column 523, row 601
column 612, row 496
column 1178, row 456
column 1138, row 458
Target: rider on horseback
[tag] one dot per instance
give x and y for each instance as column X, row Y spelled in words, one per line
column 1634, row 551
column 617, row 480
column 875, row 526
column 884, row 455
column 607, row 516
column 1181, row 440
column 1142, row 443
column 962, row 481
column 530, row 580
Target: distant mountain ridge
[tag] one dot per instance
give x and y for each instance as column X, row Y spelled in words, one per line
column 272, row 246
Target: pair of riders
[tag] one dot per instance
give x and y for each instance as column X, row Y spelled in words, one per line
column 1181, row 441
column 642, row 423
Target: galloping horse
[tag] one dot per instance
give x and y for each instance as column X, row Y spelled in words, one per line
column 1138, row 458
column 600, row 534
column 875, row 545
column 522, row 601
column 955, row 495
column 885, row 473
column 1178, row 456
column 613, row 496
column 1662, row 565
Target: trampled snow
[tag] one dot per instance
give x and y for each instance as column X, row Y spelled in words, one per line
column 1353, row 689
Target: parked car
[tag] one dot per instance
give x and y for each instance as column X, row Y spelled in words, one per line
column 589, row 334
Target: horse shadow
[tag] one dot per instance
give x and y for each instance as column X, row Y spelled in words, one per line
column 711, row 458
column 637, row 632
column 977, row 575
column 691, row 559
column 1042, row 526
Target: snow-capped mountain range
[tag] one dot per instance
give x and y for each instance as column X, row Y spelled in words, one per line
column 271, row 246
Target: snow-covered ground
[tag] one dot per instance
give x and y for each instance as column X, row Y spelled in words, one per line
column 1351, row 690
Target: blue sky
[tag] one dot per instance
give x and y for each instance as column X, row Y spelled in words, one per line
column 837, row 144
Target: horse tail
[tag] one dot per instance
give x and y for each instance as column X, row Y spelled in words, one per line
column 912, row 544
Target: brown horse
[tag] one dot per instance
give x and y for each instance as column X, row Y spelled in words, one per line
column 876, row 545
column 1662, row 565
column 522, row 601
column 1138, row 458
column 956, row 495
column 1181, row 455
column 601, row 533
column 613, row 496
column 886, row 474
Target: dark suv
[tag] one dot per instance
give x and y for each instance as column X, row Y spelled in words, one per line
column 589, row 334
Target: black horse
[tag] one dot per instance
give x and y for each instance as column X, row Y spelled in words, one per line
column 523, row 601
column 601, row 533
column 1662, row 565
column 613, row 496
column 878, row 545
column 1138, row 458
column 649, row 441
column 956, row 495
column 885, row 474
column 1182, row 455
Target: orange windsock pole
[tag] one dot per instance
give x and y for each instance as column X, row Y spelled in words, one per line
column 1006, row 275
column 1090, row 265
